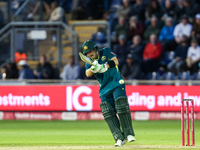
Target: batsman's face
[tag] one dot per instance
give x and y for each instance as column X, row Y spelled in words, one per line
column 92, row 54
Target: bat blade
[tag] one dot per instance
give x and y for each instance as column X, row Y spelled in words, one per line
column 85, row 58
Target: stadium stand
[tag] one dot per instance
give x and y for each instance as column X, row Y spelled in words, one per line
column 163, row 10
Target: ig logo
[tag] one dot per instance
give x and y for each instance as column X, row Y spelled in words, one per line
column 72, row 98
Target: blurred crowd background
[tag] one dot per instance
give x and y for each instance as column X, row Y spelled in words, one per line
column 154, row 39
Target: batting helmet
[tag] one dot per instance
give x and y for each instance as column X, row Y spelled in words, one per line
column 88, row 46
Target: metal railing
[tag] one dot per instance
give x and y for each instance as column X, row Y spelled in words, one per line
column 13, row 27
column 21, row 8
column 94, row 82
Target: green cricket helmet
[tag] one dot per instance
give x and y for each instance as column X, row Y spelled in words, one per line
column 88, row 46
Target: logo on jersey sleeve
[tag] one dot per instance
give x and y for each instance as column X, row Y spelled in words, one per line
column 112, row 53
column 103, row 58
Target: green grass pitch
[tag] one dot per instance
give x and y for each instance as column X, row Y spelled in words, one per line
column 162, row 134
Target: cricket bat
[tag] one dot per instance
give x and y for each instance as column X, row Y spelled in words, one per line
column 85, row 58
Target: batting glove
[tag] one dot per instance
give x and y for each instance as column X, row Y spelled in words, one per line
column 104, row 68
column 96, row 67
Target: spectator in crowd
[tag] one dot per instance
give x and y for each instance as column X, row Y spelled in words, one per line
column 124, row 9
column 111, row 14
column 121, row 50
column 11, row 71
column 183, row 28
column 138, row 10
column 34, row 11
column 25, row 72
column 47, row 8
column 167, row 31
column 162, row 2
column 153, row 9
column 131, row 69
column 57, row 12
column 153, row 28
column 137, row 48
column 44, row 69
column 47, row 5
column 135, row 28
column 193, row 57
column 179, row 10
column 112, row 11
column 56, row 15
column 121, row 27
column 191, row 9
column 177, row 64
column 151, row 55
column 169, row 9
column 71, row 70
column 196, row 28
column 114, row 5
column 99, row 37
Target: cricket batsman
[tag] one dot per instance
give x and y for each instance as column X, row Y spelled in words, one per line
column 112, row 92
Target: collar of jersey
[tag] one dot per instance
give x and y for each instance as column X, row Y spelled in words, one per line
column 97, row 58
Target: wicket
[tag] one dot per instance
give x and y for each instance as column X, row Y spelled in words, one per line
column 187, row 121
